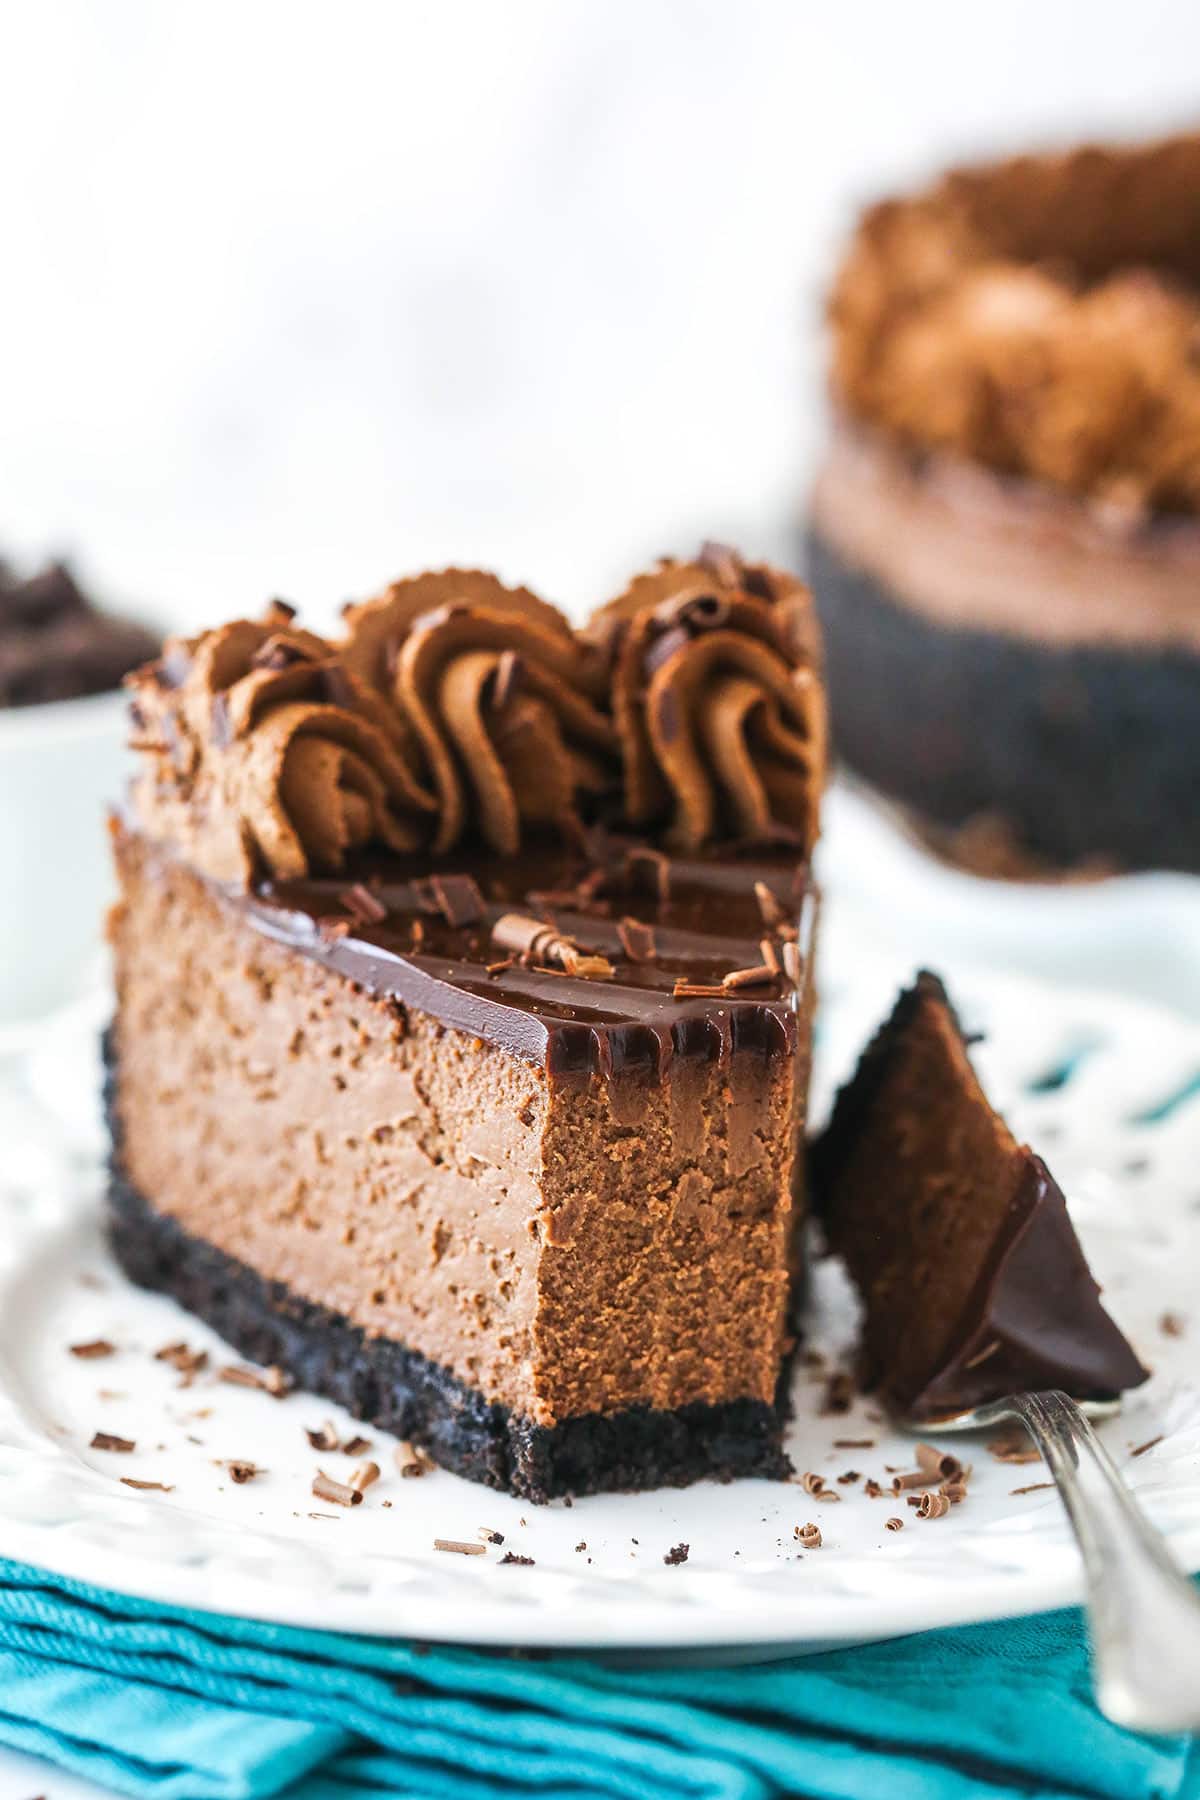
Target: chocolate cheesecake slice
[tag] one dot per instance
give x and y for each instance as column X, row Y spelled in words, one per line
column 956, row 1236
column 440, row 1080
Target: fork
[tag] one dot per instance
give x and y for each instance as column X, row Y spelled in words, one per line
column 1143, row 1612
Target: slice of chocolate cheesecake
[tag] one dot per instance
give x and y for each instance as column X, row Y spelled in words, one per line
column 956, row 1236
column 437, row 1081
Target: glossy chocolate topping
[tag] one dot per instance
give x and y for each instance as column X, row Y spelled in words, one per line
column 669, row 931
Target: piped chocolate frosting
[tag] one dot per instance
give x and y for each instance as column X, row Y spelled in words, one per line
column 455, row 712
column 957, row 1237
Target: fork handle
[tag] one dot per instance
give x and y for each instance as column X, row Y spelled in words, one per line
column 1144, row 1613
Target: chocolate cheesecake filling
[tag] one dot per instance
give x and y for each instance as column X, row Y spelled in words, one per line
column 573, row 1198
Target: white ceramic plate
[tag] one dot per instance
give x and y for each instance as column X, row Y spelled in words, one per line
column 1116, row 1131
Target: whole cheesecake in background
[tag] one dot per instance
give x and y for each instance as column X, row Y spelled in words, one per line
column 55, row 645
column 1004, row 535
column 464, row 977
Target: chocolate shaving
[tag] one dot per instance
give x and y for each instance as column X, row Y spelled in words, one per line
column 932, row 1506
column 356, row 1446
column 809, row 1535
column 1172, row 1324
column 270, row 1380
column 106, row 1440
column 411, row 1462
column 677, row 1554
column 1034, row 1487
column 457, row 1545
column 366, row 907
column 773, row 913
column 696, row 990
column 498, row 968
column 658, row 865
column 854, row 1443
column 511, row 1556
column 92, row 1351
column 744, row 978
column 339, row 1492
column 848, row 1477
column 1148, row 1445
column 324, row 1437
column 769, row 954
column 894, row 1524
column 458, row 899
column 156, row 1487
column 364, row 1476
column 539, row 945
column 912, row 1478
column 793, row 966
column 487, row 1536
column 187, row 1361
column 937, row 1462
column 812, row 1483
column 872, row 1489
column 637, row 940
column 241, row 1472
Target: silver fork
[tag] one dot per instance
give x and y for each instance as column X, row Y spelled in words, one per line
column 1143, row 1613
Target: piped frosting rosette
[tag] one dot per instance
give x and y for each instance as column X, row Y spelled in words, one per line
column 718, row 700
column 264, row 755
column 502, row 700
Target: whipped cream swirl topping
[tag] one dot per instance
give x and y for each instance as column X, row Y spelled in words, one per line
column 263, row 755
column 504, row 702
column 718, row 699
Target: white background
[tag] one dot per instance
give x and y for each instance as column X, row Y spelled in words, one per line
column 299, row 297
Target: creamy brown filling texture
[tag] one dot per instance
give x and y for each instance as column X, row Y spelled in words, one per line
column 563, row 1248
column 970, row 549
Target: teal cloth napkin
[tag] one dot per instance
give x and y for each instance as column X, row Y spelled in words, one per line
column 175, row 1705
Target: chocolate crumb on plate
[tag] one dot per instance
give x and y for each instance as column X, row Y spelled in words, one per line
column 678, row 1553
column 1148, row 1445
column 486, row 1535
column 511, row 1556
column 809, row 1535
column 581, row 1545
column 931, row 1506
column 364, row 1476
column 323, row 1437
column 107, row 1440
column 410, row 1460
column 270, row 1380
column 848, row 1477
column 91, row 1351
column 157, row 1487
column 854, row 1443
column 340, row 1492
column 356, row 1446
column 894, row 1524
column 1034, row 1487
column 1172, row 1324
column 459, row 1547
column 241, row 1471
column 872, row 1489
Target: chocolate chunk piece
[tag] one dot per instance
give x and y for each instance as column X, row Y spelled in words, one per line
column 957, row 1237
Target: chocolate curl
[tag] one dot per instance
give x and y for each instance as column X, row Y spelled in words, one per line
column 718, row 701
column 264, row 756
column 499, row 694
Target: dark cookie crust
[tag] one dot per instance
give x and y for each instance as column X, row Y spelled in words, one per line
column 399, row 1390
column 1086, row 752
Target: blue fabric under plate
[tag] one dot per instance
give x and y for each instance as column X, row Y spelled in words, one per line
column 152, row 1701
